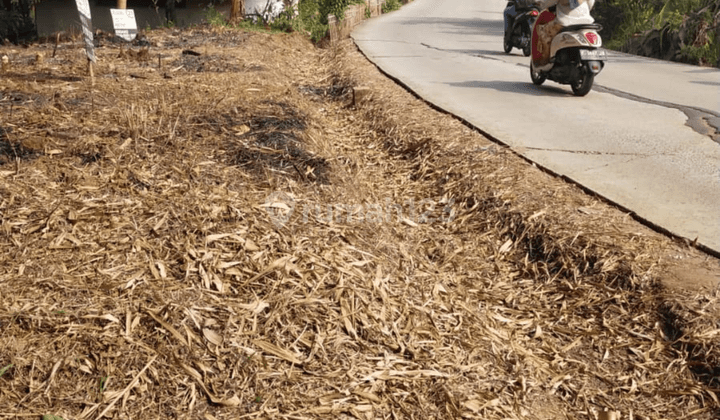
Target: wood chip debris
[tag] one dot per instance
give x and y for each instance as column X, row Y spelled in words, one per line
column 143, row 275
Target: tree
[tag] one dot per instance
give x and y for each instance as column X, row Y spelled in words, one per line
column 16, row 22
column 237, row 10
column 170, row 13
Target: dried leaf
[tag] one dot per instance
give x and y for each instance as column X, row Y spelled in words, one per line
column 255, row 307
column 473, row 405
column 213, row 337
column 277, row 351
column 168, row 327
column 505, row 247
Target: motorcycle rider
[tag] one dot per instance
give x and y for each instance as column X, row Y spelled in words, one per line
column 509, row 15
column 511, row 11
column 568, row 12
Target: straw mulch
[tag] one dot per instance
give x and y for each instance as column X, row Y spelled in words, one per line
column 166, row 252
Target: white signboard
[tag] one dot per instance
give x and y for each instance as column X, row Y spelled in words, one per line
column 124, row 23
column 83, row 7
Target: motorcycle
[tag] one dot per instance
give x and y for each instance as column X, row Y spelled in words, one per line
column 575, row 56
column 520, row 30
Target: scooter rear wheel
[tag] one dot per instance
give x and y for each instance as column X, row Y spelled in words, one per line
column 583, row 86
column 537, row 77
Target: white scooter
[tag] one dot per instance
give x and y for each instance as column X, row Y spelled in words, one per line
column 575, row 56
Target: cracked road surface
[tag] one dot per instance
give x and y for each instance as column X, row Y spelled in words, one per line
column 646, row 137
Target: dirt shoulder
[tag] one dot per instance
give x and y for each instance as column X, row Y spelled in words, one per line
column 217, row 229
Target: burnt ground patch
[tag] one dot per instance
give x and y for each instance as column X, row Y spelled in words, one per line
column 41, row 77
column 207, row 63
column 280, row 116
column 702, row 358
column 332, row 91
column 89, row 157
column 273, row 141
column 16, row 98
column 10, row 151
column 292, row 159
column 194, row 39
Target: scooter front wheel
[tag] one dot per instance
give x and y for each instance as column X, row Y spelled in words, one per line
column 582, row 86
column 506, row 44
column 537, row 77
column 527, row 39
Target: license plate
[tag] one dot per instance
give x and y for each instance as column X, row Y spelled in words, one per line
column 593, row 55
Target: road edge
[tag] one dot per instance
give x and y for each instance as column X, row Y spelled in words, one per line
column 635, row 216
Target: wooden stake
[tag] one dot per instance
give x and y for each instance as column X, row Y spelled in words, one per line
column 92, row 84
column 91, row 72
column 122, row 4
column 57, row 41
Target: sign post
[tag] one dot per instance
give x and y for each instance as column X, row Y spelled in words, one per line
column 86, row 21
column 124, row 23
column 83, row 7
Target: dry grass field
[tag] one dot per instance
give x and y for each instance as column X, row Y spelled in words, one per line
column 215, row 227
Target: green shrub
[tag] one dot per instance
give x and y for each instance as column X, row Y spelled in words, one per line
column 630, row 17
column 390, row 5
column 311, row 21
column 214, row 17
column 334, row 7
column 311, row 18
column 16, row 27
column 623, row 19
column 701, row 55
column 708, row 53
column 285, row 22
column 308, row 21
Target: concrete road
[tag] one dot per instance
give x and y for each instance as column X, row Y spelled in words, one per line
column 643, row 138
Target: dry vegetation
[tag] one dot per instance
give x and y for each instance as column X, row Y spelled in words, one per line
column 145, row 271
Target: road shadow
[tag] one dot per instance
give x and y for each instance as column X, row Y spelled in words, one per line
column 703, row 82
column 515, row 87
column 620, row 57
column 705, row 70
column 491, row 12
column 499, row 54
column 514, row 53
column 490, row 54
column 473, row 26
column 476, row 53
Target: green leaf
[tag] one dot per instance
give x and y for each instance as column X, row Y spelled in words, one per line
column 5, row 369
column 102, row 383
